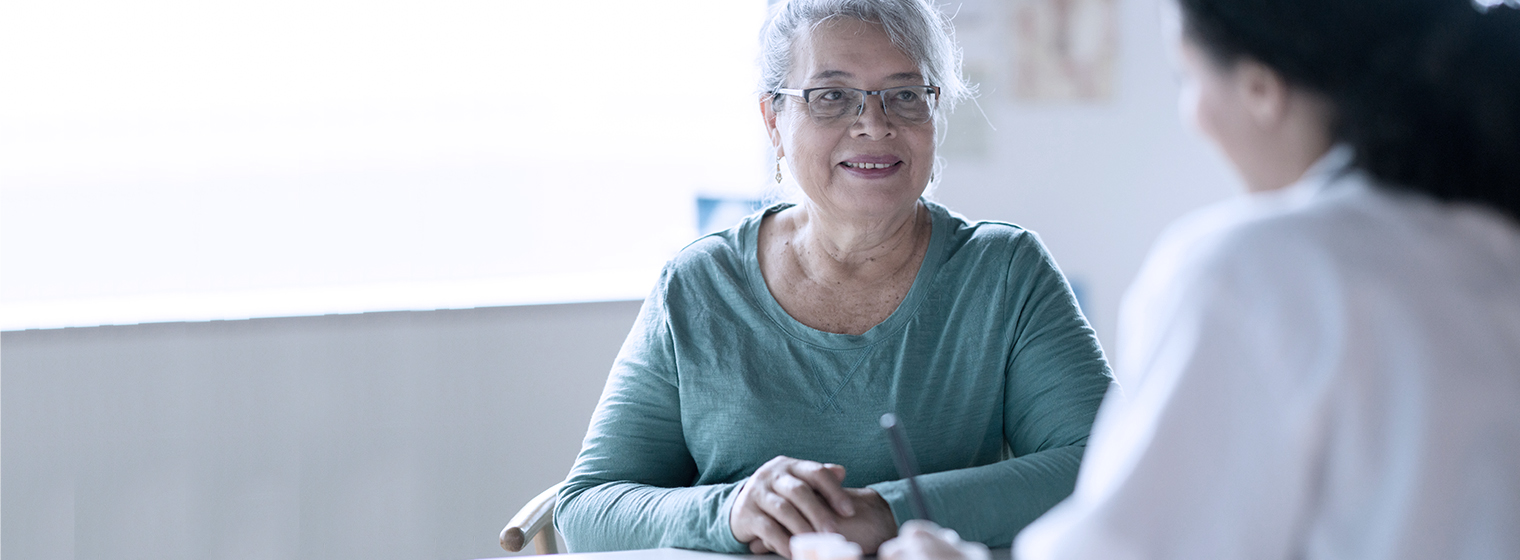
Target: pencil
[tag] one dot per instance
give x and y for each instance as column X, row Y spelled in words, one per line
column 907, row 468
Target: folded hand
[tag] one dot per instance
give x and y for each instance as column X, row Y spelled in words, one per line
column 789, row 496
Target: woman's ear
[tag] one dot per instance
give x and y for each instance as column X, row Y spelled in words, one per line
column 1263, row 93
column 768, row 113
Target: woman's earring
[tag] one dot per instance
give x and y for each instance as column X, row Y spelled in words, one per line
column 778, row 171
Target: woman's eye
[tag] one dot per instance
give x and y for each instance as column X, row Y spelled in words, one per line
column 832, row 95
column 907, row 95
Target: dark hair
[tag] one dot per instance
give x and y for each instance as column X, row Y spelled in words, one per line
column 1426, row 92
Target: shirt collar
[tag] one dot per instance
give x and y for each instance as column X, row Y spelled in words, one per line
column 1333, row 165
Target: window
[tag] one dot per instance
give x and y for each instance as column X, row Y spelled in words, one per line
column 180, row 160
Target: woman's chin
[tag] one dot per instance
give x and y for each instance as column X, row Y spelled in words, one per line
column 873, row 201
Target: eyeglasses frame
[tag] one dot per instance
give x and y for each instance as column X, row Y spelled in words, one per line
column 865, row 94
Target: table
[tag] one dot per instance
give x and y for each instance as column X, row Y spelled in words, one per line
column 683, row 554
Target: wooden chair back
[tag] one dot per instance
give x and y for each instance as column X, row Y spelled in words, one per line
column 534, row 521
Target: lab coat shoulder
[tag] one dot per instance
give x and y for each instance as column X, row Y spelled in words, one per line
column 1227, row 358
column 1245, row 264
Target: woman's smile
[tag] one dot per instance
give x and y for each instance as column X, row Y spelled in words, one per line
column 872, row 167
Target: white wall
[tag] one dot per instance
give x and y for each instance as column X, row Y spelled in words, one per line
column 403, row 435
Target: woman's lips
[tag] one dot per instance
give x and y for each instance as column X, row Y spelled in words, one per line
column 871, row 170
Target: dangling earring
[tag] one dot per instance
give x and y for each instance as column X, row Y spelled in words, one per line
column 778, row 171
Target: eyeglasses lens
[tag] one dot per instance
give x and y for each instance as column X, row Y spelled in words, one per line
column 910, row 104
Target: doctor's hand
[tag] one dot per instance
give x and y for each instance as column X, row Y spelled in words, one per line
column 922, row 540
column 786, row 497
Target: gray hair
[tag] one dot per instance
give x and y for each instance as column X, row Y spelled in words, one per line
column 915, row 26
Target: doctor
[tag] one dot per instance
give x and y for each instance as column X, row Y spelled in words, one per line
column 1328, row 366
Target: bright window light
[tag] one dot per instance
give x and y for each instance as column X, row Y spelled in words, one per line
column 181, row 160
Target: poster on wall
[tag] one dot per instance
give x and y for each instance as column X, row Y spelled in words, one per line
column 1064, row 50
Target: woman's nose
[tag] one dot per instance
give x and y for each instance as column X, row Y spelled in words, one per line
column 873, row 121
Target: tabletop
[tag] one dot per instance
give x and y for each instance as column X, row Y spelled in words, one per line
column 683, row 554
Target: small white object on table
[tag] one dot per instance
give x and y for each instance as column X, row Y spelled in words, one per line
column 823, row 546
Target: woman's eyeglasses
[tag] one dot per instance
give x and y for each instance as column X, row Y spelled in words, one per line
column 842, row 106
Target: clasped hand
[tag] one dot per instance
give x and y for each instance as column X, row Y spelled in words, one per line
column 789, row 496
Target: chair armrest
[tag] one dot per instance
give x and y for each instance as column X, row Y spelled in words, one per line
column 531, row 519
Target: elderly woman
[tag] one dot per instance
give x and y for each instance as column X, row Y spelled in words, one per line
column 744, row 406
column 1328, row 366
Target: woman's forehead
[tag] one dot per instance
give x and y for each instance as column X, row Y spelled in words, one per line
column 847, row 49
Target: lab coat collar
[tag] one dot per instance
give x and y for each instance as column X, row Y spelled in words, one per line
column 1329, row 169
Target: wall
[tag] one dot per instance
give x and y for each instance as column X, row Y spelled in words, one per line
column 378, row 436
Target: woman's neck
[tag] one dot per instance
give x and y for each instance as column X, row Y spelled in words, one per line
column 842, row 276
column 829, row 246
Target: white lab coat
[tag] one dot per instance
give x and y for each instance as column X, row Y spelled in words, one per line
column 1331, row 370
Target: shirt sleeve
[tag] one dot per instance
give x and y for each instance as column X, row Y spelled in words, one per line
column 630, row 487
column 1056, row 377
column 1209, row 451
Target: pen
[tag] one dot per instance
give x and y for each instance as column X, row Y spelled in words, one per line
column 907, row 468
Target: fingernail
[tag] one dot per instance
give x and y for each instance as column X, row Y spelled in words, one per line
column 848, row 509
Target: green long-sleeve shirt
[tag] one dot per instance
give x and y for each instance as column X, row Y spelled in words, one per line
column 989, row 363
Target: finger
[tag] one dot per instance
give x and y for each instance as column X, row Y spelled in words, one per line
column 774, row 537
column 757, row 546
column 781, row 510
column 918, row 526
column 908, row 547
column 837, row 470
column 949, row 535
column 805, row 500
column 921, row 542
column 826, row 481
column 890, row 550
column 776, row 465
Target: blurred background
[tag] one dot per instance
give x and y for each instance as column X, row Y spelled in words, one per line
column 340, row 279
